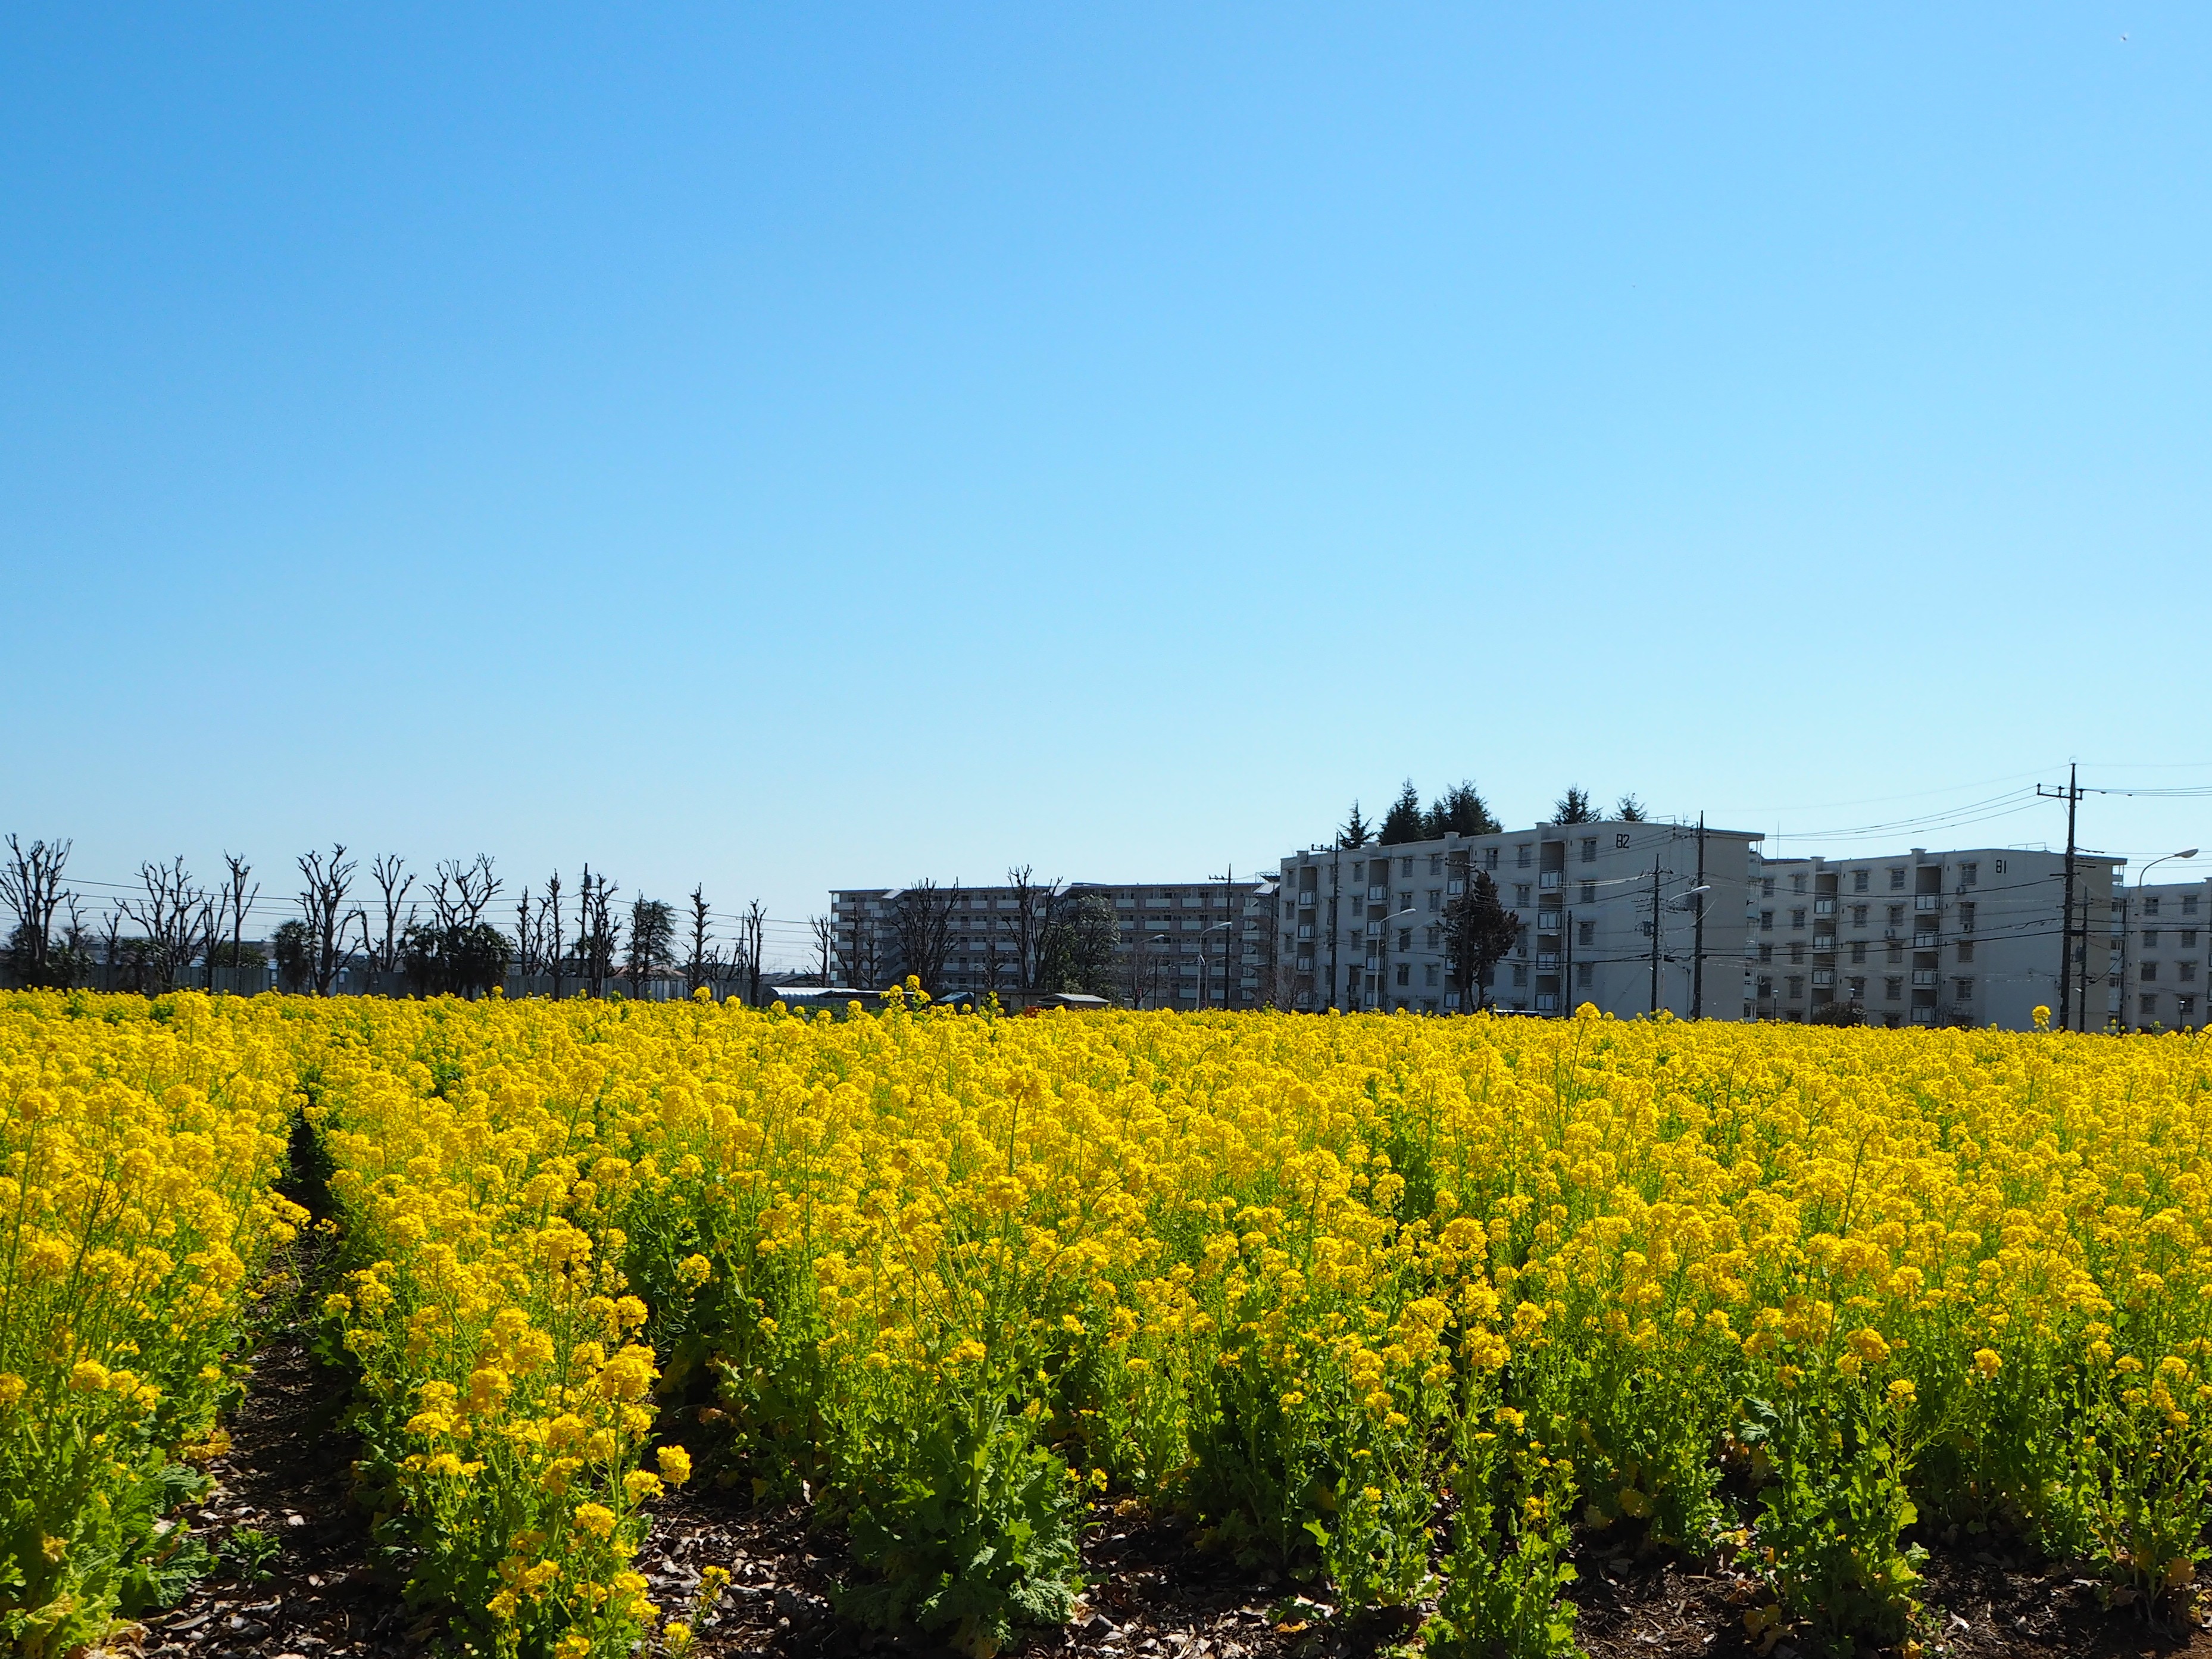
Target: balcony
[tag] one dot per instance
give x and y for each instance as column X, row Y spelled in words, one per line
column 1923, row 941
column 1823, row 941
column 1923, row 979
column 1546, row 961
column 1824, row 906
column 1549, row 879
column 1378, row 895
column 1306, row 900
column 1927, row 901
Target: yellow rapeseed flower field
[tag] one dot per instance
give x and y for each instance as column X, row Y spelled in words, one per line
column 138, row 1143
column 1797, row 1294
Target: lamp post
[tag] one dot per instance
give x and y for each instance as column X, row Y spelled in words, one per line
column 2133, row 919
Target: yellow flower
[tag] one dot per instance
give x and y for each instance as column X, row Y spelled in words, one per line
column 596, row 1519
column 675, row 1465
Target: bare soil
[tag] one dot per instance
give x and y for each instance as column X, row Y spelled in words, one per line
column 288, row 1474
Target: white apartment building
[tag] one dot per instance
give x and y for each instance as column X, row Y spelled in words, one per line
column 1180, row 944
column 2158, row 956
column 1630, row 916
column 1968, row 937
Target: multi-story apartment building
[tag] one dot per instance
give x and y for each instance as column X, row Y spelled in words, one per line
column 1968, row 937
column 1178, row 944
column 2158, row 956
column 1627, row 915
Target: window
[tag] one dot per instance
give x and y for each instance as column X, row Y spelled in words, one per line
column 1891, row 989
column 1767, row 921
column 1404, row 973
column 1356, row 868
column 1858, row 949
column 1858, row 989
column 1429, row 973
column 1523, row 855
column 1858, row 915
column 2188, row 939
column 1969, row 874
column 1520, row 974
column 2148, row 1006
column 1405, row 938
column 1796, row 883
column 1436, row 899
column 1896, row 915
column 1796, row 918
column 1590, row 849
column 1796, row 986
column 1966, row 918
column 2149, row 972
column 1585, row 933
column 2150, row 906
column 1766, row 887
column 1490, row 858
column 1766, row 953
column 1588, row 895
column 2150, row 938
column 2189, row 904
column 1520, row 893
column 1583, row 974
column 1796, row 950
column 2184, row 1007
column 1861, row 879
column 1767, row 988
column 1966, row 950
column 1435, row 937
column 1962, row 990
column 2185, row 972
column 1896, row 955
column 1897, row 881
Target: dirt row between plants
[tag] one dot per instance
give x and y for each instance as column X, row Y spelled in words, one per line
column 295, row 1576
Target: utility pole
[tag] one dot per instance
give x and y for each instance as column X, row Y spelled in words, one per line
column 1335, row 863
column 1698, row 936
column 2072, row 796
column 1655, row 933
column 1567, row 965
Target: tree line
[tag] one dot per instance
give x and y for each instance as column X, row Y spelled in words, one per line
column 1461, row 811
column 1050, row 940
column 437, row 932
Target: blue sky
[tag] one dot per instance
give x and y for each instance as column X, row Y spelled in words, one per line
column 834, row 446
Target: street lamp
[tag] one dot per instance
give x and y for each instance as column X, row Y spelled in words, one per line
column 1383, row 922
column 2134, row 920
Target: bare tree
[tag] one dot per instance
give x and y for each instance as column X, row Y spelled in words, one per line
column 826, row 944
column 549, row 915
column 704, row 961
column 527, row 952
column 752, row 931
column 237, row 901
column 923, row 920
column 1036, row 905
column 598, row 933
column 30, row 888
column 323, row 906
column 171, row 914
column 858, row 961
column 389, row 871
column 463, row 890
